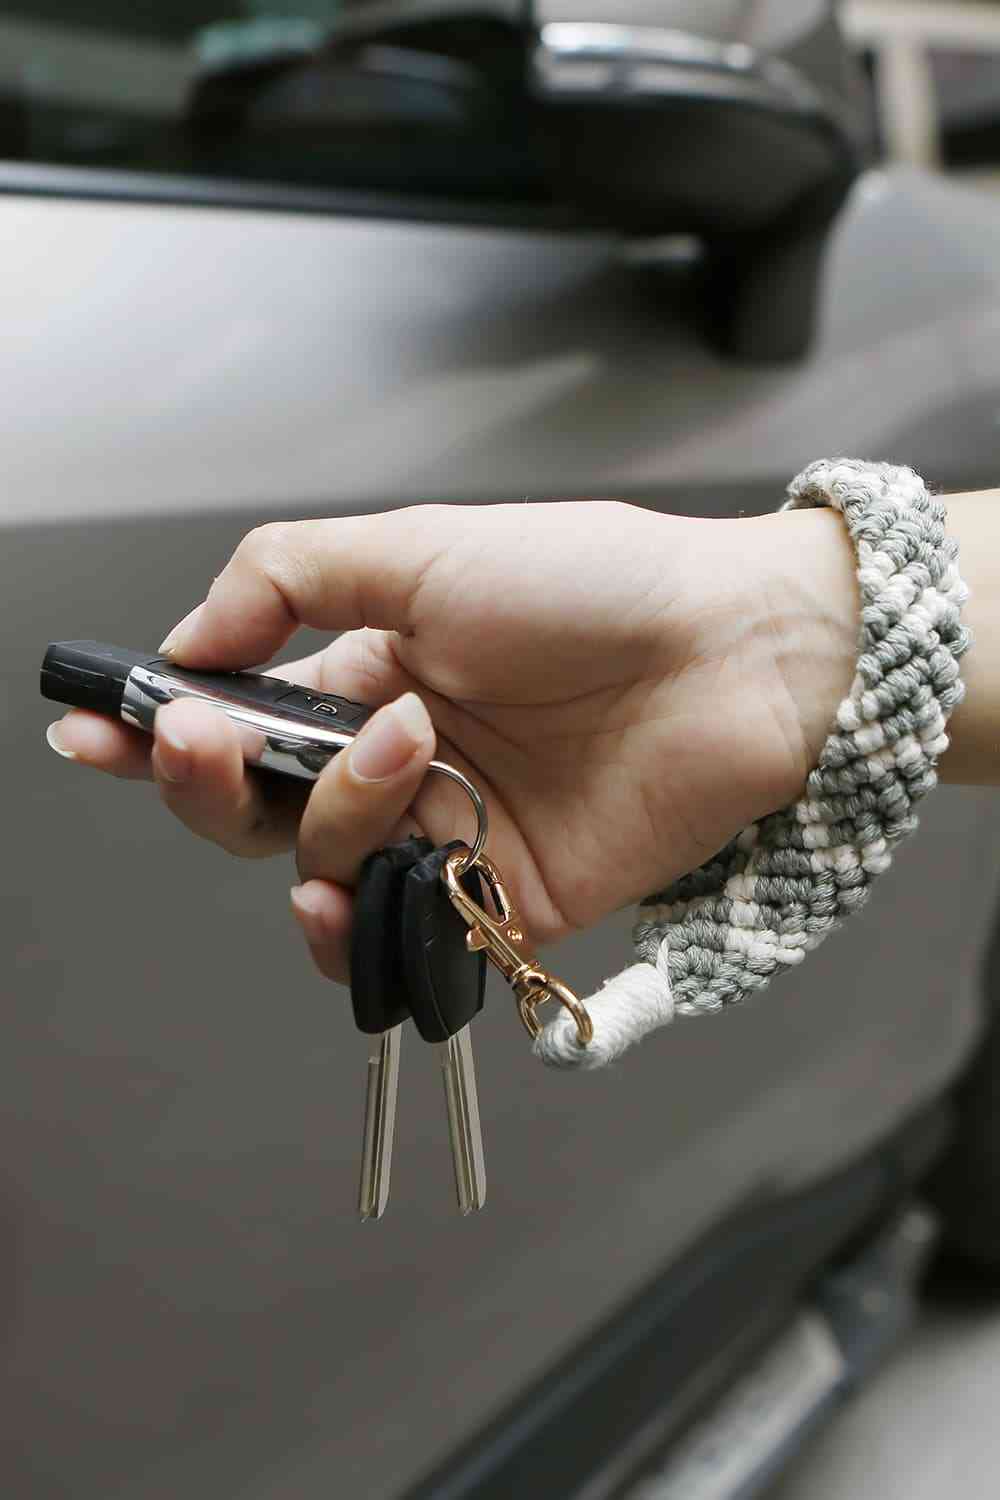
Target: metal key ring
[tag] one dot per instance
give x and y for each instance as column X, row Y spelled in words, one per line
column 482, row 817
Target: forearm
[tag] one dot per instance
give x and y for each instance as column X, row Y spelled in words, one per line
column 973, row 757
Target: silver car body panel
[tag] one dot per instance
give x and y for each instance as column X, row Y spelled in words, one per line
column 168, row 359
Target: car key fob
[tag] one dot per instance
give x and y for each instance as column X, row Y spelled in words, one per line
column 446, row 983
column 379, row 982
column 286, row 728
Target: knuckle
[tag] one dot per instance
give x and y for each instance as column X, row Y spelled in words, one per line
column 425, row 524
column 290, row 556
column 265, row 542
column 274, row 550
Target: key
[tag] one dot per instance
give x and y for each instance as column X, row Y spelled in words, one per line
column 379, row 996
column 447, row 986
column 380, row 1125
column 464, row 1128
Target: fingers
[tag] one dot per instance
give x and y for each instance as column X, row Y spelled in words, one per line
column 334, row 575
column 359, row 803
column 356, row 806
column 363, row 793
column 198, row 762
column 197, row 755
column 117, row 748
column 325, row 913
column 106, row 744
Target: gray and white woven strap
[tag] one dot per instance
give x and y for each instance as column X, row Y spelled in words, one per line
column 718, row 934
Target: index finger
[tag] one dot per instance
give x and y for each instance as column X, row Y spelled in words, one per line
column 331, row 574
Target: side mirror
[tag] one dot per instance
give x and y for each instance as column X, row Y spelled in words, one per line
column 632, row 128
column 658, row 132
column 425, row 108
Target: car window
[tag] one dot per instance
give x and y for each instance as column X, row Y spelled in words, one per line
column 392, row 96
column 967, row 89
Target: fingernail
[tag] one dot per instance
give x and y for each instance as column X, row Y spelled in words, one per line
column 52, row 735
column 181, row 632
column 174, row 740
column 305, row 907
column 388, row 742
column 173, row 755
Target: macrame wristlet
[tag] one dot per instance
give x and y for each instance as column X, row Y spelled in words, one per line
column 774, row 892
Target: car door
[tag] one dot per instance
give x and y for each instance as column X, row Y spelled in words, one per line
column 191, row 1304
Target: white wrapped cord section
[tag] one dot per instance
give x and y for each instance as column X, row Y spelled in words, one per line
column 775, row 891
column 626, row 1009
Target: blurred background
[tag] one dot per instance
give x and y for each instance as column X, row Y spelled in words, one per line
column 137, row 86
column 286, row 258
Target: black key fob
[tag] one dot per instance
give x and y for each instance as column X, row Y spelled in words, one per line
column 379, row 980
column 446, row 983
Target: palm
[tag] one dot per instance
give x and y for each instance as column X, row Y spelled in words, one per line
column 597, row 734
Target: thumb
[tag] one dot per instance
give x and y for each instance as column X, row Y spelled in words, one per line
column 358, row 801
column 331, row 574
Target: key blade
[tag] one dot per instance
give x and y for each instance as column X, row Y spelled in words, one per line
column 380, row 1125
column 464, row 1126
column 367, row 1189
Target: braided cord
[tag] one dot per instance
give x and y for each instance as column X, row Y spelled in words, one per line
column 775, row 891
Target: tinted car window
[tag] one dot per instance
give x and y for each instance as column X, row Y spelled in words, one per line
column 375, row 95
column 967, row 89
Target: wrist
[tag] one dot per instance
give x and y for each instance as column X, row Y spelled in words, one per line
column 807, row 608
column 861, row 680
column 973, row 758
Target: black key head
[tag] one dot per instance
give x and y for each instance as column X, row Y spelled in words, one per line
column 446, row 983
column 379, row 980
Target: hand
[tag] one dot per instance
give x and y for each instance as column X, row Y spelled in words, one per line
column 627, row 689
